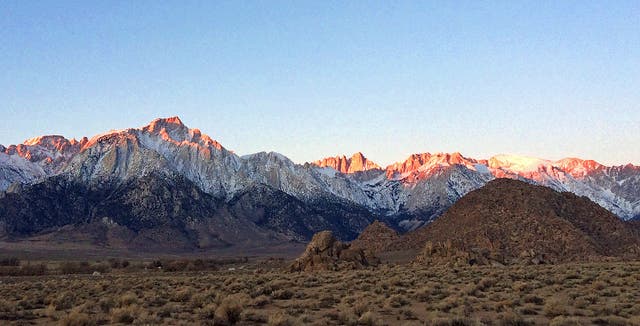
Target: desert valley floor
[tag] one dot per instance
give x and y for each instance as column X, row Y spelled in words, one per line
column 263, row 292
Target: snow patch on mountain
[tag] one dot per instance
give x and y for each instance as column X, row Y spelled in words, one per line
column 16, row 169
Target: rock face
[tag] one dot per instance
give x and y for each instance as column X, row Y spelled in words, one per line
column 342, row 164
column 509, row 221
column 377, row 237
column 326, row 253
column 51, row 153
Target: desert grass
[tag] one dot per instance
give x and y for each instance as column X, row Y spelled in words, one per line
column 570, row 294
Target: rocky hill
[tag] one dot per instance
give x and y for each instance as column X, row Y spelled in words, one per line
column 377, row 237
column 509, row 221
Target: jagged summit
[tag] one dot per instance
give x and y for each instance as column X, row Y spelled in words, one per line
column 171, row 130
column 356, row 163
column 50, row 153
column 55, row 143
column 421, row 166
column 165, row 124
column 54, row 140
column 578, row 167
column 175, row 120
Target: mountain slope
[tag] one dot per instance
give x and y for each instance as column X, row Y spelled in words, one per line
column 153, row 211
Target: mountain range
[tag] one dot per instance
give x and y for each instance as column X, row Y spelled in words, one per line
column 142, row 186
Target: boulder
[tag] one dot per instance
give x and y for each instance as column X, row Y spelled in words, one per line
column 326, row 253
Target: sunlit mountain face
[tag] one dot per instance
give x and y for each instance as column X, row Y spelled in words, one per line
column 356, row 163
column 352, row 191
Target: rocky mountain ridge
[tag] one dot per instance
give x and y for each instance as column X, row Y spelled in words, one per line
column 343, row 194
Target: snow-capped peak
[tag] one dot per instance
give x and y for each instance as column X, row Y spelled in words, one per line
column 517, row 163
column 421, row 166
column 50, row 152
column 169, row 130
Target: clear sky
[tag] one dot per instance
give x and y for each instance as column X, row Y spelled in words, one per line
column 311, row 79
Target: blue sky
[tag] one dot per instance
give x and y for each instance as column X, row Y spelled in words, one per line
column 317, row 78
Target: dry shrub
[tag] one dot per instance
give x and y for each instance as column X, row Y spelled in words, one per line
column 64, row 301
column 50, row 311
column 555, row 307
column 8, row 310
column 397, row 301
column 106, row 304
column 183, row 295
column 457, row 321
column 521, row 286
column 565, row 321
column 283, row 294
column 261, row 301
column 369, row 319
column 128, row 299
column 448, row 303
column 512, row 319
column 199, row 300
column 125, row 315
column 599, row 285
column 486, row 283
column 528, row 309
column 280, row 318
column 361, row 308
column 530, row 298
column 206, row 312
column 76, row 318
column 229, row 312
column 347, row 318
column 611, row 321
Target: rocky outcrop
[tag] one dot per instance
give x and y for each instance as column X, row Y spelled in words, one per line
column 357, row 163
column 51, row 153
column 326, row 253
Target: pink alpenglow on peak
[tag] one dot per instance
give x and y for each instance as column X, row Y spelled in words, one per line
column 420, row 166
column 579, row 167
column 46, row 149
column 169, row 130
column 167, row 123
column 174, row 131
column 55, row 142
column 357, row 163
